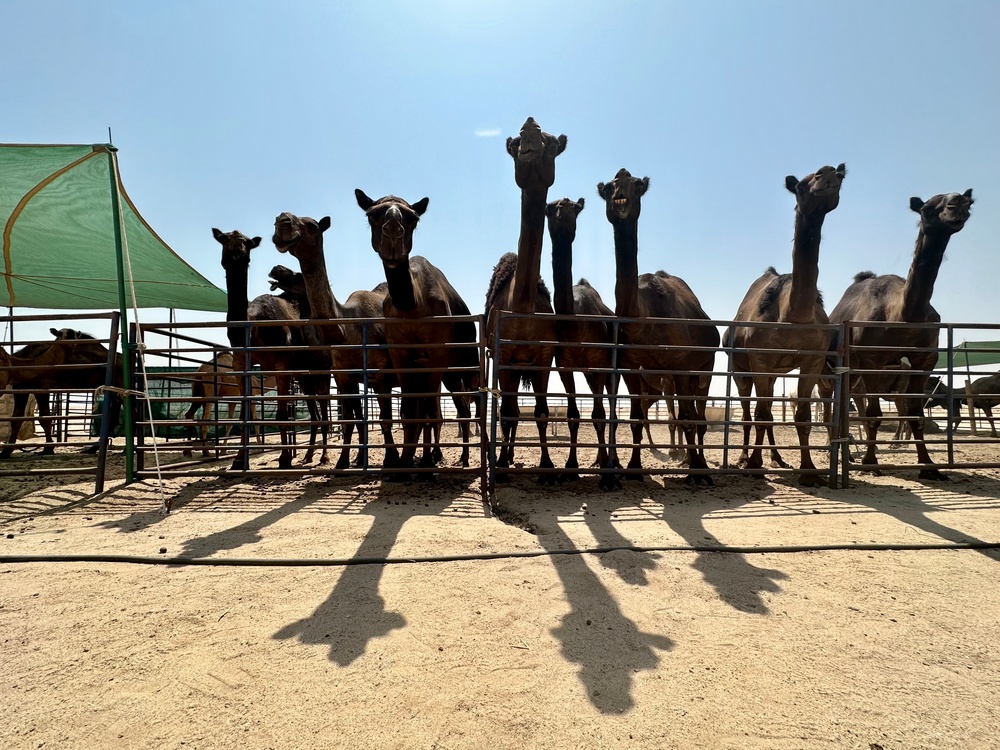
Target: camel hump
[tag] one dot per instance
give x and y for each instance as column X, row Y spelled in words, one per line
column 503, row 272
column 771, row 270
column 663, row 274
column 584, row 282
column 863, row 276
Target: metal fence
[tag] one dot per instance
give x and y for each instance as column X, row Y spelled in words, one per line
column 362, row 409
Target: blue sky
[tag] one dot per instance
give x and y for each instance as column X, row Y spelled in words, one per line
column 228, row 113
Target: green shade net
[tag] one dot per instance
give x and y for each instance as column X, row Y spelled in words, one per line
column 58, row 238
column 972, row 354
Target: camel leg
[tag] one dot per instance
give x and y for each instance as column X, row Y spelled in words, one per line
column 510, row 413
column 16, row 420
column 988, row 411
column 540, row 385
column 638, row 414
column 573, row 420
column 391, row 457
column 285, row 430
column 464, row 410
column 347, row 393
column 872, row 410
column 803, row 422
column 45, row 420
column 913, row 409
column 764, row 386
column 743, row 387
column 691, row 399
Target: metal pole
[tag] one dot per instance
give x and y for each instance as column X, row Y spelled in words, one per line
column 123, row 311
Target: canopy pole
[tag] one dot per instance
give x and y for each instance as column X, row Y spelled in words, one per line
column 123, row 309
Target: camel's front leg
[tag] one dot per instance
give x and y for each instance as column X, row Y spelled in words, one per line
column 573, row 421
column 540, row 385
column 691, row 409
column 744, row 386
column 808, row 378
column 510, row 413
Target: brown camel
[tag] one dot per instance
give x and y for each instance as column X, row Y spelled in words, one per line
column 75, row 360
column 589, row 349
column 516, row 286
column 787, row 298
column 213, row 381
column 418, row 290
column 359, row 357
column 267, row 340
column 890, row 298
column 657, row 295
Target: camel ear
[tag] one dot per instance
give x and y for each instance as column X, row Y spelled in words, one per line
column 420, row 206
column 602, row 190
column 968, row 194
column 791, row 183
column 550, row 209
column 842, row 170
column 645, row 185
column 511, row 147
column 562, row 144
column 363, row 200
column 54, row 332
column 324, row 223
column 217, row 234
column 255, row 242
column 579, row 206
column 916, row 204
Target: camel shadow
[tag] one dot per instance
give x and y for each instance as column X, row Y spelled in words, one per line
column 595, row 634
column 355, row 612
column 737, row 582
column 912, row 509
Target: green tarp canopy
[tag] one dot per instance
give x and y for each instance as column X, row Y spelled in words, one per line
column 972, row 354
column 59, row 244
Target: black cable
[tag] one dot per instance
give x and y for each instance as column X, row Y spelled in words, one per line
column 344, row 562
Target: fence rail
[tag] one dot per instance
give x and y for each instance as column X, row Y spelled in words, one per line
column 692, row 411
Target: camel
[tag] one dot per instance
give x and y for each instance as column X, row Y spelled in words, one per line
column 213, row 381
column 590, row 340
column 267, row 340
column 44, row 366
column 516, row 286
column 418, row 290
column 657, row 295
column 787, row 298
column 985, row 392
column 889, row 298
column 359, row 354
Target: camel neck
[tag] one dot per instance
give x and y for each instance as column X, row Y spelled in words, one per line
column 562, row 275
column 237, row 303
column 805, row 267
column 923, row 273
column 322, row 303
column 401, row 290
column 627, row 269
column 529, row 250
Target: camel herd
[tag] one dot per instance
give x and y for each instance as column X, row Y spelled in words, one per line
column 424, row 337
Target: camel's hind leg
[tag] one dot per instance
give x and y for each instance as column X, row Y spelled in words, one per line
column 744, row 386
column 540, row 385
column 510, row 413
column 764, row 386
column 808, row 378
column 692, row 396
column 573, row 421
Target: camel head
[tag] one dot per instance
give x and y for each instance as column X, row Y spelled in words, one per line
column 392, row 221
column 945, row 213
column 562, row 218
column 534, row 154
column 623, row 196
column 817, row 193
column 236, row 248
column 284, row 278
column 299, row 235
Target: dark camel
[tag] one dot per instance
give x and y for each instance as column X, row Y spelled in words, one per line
column 46, row 366
column 657, row 295
column 589, row 349
column 418, row 290
column 787, row 298
column 890, row 298
column 516, row 286
column 359, row 354
column 270, row 339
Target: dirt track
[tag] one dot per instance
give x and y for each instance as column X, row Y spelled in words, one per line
column 657, row 649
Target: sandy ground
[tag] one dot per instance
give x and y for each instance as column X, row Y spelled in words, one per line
column 544, row 641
